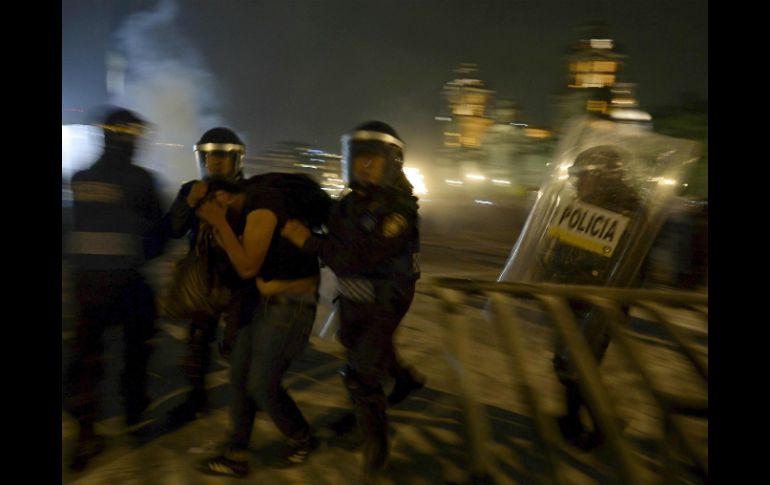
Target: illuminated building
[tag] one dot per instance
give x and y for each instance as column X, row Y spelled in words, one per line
column 467, row 121
column 516, row 151
column 594, row 66
column 468, row 99
column 595, row 81
column 487, row 149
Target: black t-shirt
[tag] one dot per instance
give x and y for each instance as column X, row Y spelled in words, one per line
column 284, row 261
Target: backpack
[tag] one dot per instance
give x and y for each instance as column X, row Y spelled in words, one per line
column 304, row 198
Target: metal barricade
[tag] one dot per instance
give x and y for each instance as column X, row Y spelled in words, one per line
column 678, row 452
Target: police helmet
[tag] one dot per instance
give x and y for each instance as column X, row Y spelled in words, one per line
column 600, row 160
column 122, row 128
column 373, row 137
column 222, row 140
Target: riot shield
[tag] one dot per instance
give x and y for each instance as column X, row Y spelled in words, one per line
column 601, row 206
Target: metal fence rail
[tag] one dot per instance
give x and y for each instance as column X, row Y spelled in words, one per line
column 677, row 450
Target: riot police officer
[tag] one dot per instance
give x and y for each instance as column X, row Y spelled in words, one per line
column 118, row 226
column 373, row 248
column 219, row 155
column 596, row 217
column 602, row 198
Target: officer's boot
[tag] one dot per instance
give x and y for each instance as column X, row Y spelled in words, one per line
column 196, row 367
column 376, row 446
column 570, row 424
column 187, row 411
column 81, row 403
column 369, row 403
column 407, row 381
column 345, row 424
column 134, row 383
column 88, row 446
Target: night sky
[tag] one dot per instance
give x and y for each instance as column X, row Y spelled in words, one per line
column 308, row 70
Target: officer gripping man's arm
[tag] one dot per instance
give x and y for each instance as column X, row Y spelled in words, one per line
column 360, row 242
column 372, row 247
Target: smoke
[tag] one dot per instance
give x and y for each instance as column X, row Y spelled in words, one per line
column 161, row 76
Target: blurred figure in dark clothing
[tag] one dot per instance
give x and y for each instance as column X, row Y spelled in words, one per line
column 117, row 227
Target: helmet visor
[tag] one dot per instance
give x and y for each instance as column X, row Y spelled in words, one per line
column 219, row 159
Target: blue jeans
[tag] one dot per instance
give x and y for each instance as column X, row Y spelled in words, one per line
column 263, row 352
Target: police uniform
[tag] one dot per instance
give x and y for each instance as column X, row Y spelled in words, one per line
column 118, row 226
column 567, row 262
column 373, row 249
column 180, row 221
